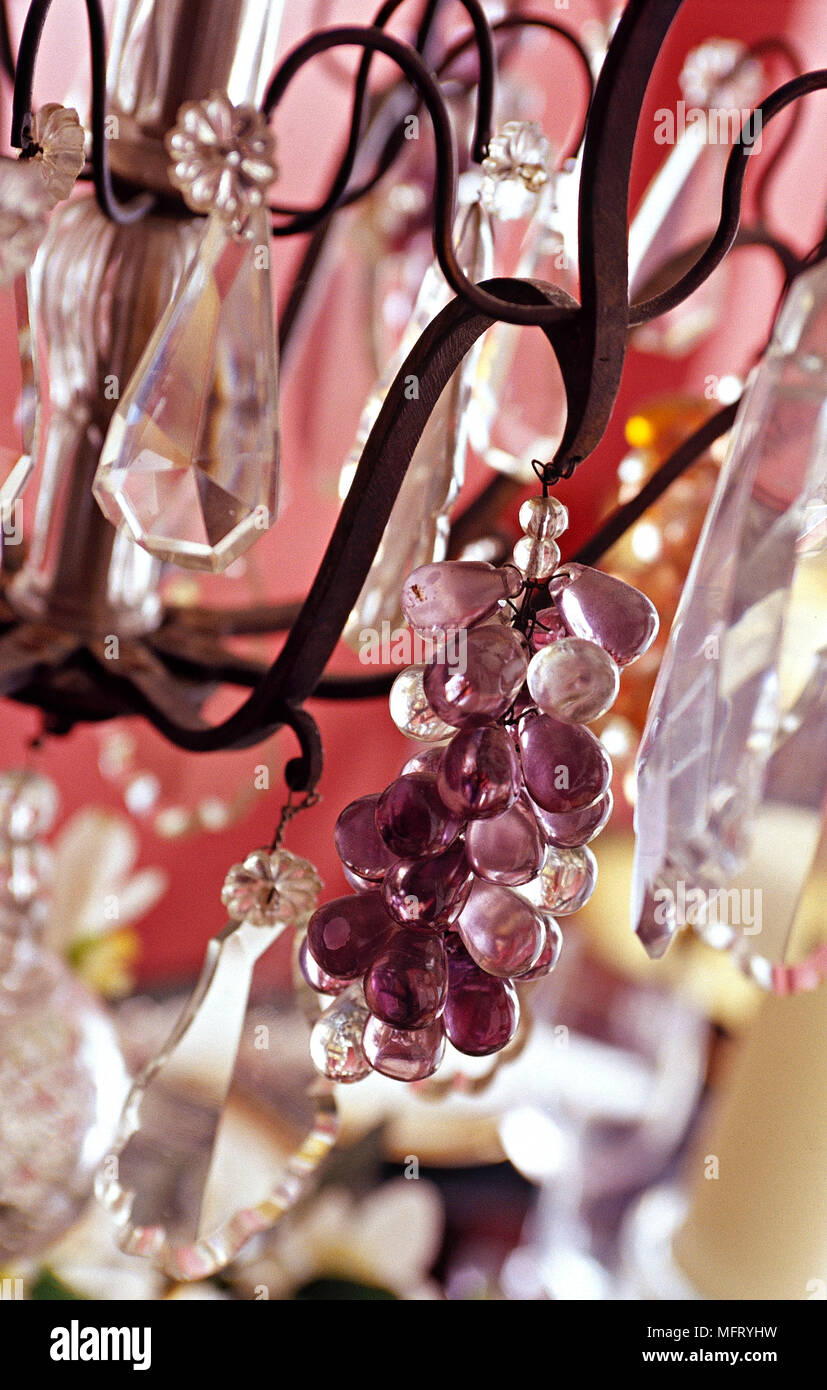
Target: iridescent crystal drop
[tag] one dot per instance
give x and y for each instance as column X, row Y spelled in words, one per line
column 191, row 459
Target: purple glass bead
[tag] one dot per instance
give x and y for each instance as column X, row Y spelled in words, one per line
column 407, row 983
column 427, row 892
column 481, row 1013
column 605, row 610
column 425, row 760
column 482, row 684
column 413, row 820
column 566, row 881
column 564, row 765
column 404, row 1054
column 480, row 773
column 505, row 849
column 316, row 977
column 357, row 840
column 548, row 627
column 550, row 954
column 344, row 935
column 500, row 930
column 359, row 884
column 442, row 597
column 568, row 829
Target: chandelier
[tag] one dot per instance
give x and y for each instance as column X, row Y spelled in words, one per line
column 154, row 421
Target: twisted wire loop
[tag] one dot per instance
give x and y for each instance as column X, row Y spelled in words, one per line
column 122, row 213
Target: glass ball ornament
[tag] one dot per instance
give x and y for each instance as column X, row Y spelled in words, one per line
column 62, row 1085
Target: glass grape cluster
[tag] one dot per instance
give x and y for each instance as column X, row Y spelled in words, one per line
column 461, row 866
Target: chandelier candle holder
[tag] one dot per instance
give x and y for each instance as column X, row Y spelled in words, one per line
column 158, row 444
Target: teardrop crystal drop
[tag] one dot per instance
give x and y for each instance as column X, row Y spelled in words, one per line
column 404, row 1054
column 564, row 765
column 315, row 977
column 482, row 683
column 336, row 1040
column 574, row 680
column 440, row 598
column 505, row 849
column 191, row 459
column 500, row 930
column 605, row 610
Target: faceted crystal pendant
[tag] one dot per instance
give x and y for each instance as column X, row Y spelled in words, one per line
column 732, row 773
column 19, row 415
column 180, row 1192
column 418, row 527
column 191, row 459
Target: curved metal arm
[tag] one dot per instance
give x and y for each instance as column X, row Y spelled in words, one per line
column 305, row 219
column 727, row 229
column 22, row 110
column 519, row 20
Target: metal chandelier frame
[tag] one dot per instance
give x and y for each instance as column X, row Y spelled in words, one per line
column 166, row 675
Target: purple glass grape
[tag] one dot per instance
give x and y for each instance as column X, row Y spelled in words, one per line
column 605, row 610
column 550, row 954
column 506, row 849
column 451, row 594
column 568, row 829
column 404, row 1054
column 482, row 683
column 413, row 820
column 344, row 935
column 357, row 840
column 428, row 892
column 502, row 932
column 564, row 765
column 317, row 979
column 481, row 1012
column 480, row 773
column 407, row 983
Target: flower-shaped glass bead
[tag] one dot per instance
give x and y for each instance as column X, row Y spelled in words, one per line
column 271, row 887
column 24, row 203
column 516, row 169
column 223, row 158
column 58, row 138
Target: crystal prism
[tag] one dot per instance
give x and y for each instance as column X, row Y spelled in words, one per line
column 180, row 1186
column 731, row 772
column 191, row 459
column 19, row 416
column 418, row 527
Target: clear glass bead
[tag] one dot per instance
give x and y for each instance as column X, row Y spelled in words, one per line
column 536, row 559
column 573, row 680
column 544, row 518
column 336, row 1041
column 566, row 881
column 410, row 710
